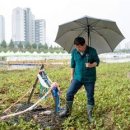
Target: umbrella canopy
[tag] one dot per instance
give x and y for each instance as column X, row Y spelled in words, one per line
column 103, row 35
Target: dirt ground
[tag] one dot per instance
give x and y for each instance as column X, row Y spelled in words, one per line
column 46, row 117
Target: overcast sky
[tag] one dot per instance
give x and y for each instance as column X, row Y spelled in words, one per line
column 57, row 12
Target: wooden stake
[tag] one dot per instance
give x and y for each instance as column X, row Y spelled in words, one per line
column 34, row 86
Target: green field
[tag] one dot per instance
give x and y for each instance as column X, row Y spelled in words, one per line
column 112, row 97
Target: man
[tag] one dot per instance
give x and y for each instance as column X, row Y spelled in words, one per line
column 84, row 60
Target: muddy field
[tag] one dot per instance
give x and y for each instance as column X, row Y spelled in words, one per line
column 45, row 117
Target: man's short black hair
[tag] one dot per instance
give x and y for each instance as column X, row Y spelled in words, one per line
column 79, row 41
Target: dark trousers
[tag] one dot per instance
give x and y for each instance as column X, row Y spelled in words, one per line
column 76, row 85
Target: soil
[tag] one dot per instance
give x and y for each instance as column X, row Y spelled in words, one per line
column 46, row 117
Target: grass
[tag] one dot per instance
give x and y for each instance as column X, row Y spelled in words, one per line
column 112, row 96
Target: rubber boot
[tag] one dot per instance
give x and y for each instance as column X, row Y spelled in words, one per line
column 89, row 112
column 67, row 111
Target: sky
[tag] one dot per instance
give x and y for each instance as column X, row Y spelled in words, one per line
column 57, row 12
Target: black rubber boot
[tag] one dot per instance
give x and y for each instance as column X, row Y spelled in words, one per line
column 67, row 111
column 89, row 112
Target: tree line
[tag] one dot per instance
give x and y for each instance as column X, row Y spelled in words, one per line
column 26, row 46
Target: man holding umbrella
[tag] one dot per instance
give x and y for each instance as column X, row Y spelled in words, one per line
column 84, row 60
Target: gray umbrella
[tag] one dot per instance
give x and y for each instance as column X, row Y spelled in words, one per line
column 103, row 35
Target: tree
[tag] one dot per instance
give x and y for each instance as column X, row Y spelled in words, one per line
column 20, row 46
column 34, row 46
column 40, row 46
column 45, row 46
column 3, row 44
column 27, row 46
column 11, row 45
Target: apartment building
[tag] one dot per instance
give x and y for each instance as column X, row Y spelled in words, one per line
column 2, row 28
column 25, row 28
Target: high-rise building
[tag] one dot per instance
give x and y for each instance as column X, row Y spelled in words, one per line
column 23, row 25
column 25, row 28
column 29, row 25
column 40, row 32
column 2, row 28
column 18, row 25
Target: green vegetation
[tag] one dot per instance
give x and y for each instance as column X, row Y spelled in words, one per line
column 31, row 47
column 112, row 95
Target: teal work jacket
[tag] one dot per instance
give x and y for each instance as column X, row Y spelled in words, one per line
column 78, row 62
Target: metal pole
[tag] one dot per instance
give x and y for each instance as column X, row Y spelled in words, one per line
column 89, row 35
